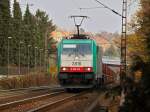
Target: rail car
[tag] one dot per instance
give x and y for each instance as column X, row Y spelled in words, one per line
column 79, row 62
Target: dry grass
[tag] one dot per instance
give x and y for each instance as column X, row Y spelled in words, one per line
column 25, row 81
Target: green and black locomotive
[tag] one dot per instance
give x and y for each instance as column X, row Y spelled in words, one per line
column 79, row 62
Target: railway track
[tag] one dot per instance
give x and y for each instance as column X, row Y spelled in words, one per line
column 42, row 103
column 69, row 102
column 48, row 102
column 10, row 96
column 18, row 103
column 29, row 89
column 51, row 105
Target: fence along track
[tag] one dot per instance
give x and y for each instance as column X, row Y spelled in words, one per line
column 24, row 101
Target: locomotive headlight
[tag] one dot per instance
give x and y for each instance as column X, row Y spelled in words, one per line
column 64, row 69
column 76, row 58
column 89, row 69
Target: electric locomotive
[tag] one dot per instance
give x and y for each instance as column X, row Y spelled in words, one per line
column 79, row 62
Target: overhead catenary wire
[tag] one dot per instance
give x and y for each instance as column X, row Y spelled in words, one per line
column 105, row 6
column 90, row 8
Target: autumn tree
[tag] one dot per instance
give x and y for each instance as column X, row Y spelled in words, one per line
column 144, row 31
column 138, row 99
column 111, row 52
column 136, row 46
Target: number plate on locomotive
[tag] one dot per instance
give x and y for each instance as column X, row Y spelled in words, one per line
column 76, row 63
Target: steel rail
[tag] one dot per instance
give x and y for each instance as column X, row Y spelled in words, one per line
column 29, row 88
column 15, row 93
column 24, row 101
column 52, row 105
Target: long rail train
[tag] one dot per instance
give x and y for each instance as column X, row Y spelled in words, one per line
column 79, row 62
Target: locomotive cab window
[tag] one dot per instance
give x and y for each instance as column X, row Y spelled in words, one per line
column 82, row 49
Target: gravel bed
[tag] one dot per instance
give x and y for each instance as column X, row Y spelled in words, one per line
column 80, row 104
column 7, row 94
column 22, row 96
column 10, row 96
column 35, row 104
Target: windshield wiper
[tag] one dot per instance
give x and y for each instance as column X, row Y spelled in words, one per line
column 70, row 54
column 82, row 54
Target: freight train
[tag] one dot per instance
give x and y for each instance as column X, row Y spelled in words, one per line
column 79, row 62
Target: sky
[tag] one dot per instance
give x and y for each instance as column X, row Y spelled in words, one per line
column 100, row 19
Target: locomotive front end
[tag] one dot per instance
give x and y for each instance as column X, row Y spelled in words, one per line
column 76, row 64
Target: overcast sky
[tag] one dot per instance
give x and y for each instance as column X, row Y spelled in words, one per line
column 101, row 19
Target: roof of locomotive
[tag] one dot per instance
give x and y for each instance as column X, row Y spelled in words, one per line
column 78, row 39
column 81, row 36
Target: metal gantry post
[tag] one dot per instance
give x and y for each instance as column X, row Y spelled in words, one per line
column 8, row 56
column 124, row 33
column 123, row 52
column 8, row 59
column 41, row 60
column 29, row 58
column 35, row 63
column 20, row 56
column 46, row 58
column 123, row 39
column 46, row 46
